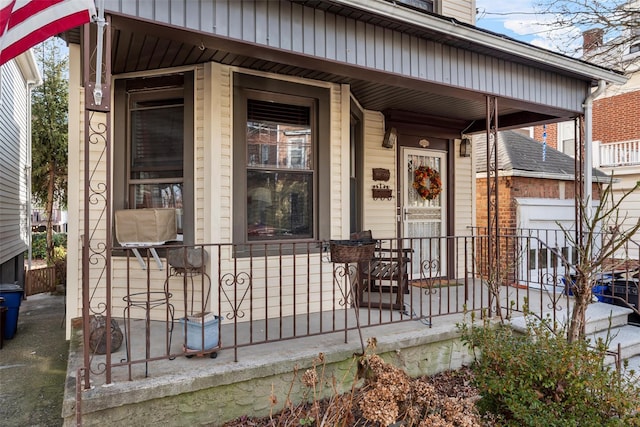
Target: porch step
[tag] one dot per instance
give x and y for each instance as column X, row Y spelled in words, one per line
column 628, row 337
column 633, row 364
column 599, row 317
column 606, row 320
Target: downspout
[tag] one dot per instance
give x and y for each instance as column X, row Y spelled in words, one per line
column 588, row 146
column 30, row 85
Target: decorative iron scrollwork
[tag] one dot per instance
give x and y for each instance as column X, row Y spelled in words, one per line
column 382, row 192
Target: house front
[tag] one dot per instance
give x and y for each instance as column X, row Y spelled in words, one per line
column 260, row 131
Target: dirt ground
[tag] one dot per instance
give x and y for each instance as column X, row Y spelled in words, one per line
column 33, row 365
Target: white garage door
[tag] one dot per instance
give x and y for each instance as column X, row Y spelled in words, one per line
column 539, row 220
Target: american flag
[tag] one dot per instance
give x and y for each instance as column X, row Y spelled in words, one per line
column 25, row 23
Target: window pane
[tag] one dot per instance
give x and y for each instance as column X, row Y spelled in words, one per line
column 159, row 196
column 532, row 259
column 278, row 135
column 157, row 142
column 568, row 146
column 279, row 205
column 542, row 258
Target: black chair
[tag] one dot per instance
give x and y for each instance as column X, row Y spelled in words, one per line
column 386, row 272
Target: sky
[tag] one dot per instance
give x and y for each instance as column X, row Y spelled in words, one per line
column 517, row 19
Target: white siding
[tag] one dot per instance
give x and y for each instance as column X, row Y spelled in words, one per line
column 14, row 140
column 462, row 10
column 463, row 201
column 379, row 215
column 629, row 209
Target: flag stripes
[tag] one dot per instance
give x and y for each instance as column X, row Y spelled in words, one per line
column 25, row 23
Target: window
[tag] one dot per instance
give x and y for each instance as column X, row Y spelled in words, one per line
column 566, row 138
column 635, row 41
column 355, row 168
column 280, row 168
column 426, row 5
column 153, row 151
column 280, row 161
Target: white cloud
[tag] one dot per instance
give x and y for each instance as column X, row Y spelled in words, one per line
column 517, row 19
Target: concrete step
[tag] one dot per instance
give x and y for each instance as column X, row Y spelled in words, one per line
column 626, row 337
column 599, row 317
column 633, row 364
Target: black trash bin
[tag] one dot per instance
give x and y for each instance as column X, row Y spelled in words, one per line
column 628, row 291
column 12, row 295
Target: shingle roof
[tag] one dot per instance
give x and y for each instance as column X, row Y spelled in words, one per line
column 518, row 152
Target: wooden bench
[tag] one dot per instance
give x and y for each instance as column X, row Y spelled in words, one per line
column 386, row 272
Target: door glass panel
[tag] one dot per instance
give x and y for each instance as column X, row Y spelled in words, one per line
column 423, row 218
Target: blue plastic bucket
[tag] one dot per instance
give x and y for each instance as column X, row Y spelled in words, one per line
column 194, row 337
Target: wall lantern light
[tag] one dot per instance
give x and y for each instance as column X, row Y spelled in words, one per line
column 465, row 147
column 390, row 138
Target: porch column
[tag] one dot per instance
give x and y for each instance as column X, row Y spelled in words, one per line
column 493, row 243
column 96, row 234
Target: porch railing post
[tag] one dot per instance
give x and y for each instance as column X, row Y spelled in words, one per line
column 493, row 253
column 96, row 234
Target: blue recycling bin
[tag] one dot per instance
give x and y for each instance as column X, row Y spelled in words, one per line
column 12, row 295
column 600, row 289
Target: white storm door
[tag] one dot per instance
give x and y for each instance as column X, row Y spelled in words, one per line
column 424, row 218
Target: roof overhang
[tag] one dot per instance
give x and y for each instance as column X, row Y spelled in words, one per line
column 141, row 44
column 486, row 39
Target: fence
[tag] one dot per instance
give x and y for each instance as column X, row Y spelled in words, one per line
column 40, row 280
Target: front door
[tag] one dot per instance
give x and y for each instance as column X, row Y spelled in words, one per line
column 424, row 209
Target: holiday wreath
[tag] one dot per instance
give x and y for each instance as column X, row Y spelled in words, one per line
column 427, row 182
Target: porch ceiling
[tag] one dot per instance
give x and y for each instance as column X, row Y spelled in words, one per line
column 141, row 45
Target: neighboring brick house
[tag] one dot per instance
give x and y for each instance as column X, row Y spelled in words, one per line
column 536, row 188
column 615, row 132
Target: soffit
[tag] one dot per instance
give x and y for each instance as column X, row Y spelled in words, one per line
column 139, row 45
column 138, row 51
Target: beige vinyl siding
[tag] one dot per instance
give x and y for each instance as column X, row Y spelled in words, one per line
column 379, row 215
column 198, row 153
column 339, row 162
column 14, row 233
column 462, row 10
column 74, row 187
column 463, row 201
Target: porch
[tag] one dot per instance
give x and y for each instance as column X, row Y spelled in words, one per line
column 270, row 326
column 617, row 154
